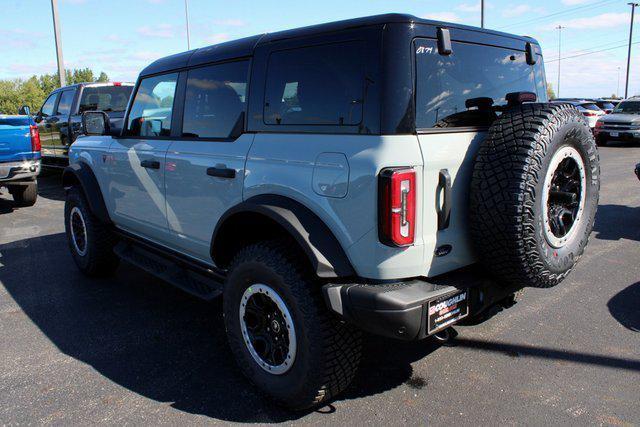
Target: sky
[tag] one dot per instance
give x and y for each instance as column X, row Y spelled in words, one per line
column 120, row 37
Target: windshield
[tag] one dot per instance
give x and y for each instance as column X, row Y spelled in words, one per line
column 606, row 105
column 589, row 106
column 459, row 89
column 628, row 107
column 105, row 98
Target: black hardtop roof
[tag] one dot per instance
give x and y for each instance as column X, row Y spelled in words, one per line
column 245, row 46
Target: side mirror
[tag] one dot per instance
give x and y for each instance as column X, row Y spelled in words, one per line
column 24, row 111
column 95, row 123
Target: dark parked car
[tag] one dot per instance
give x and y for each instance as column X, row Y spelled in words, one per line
column 60, row 117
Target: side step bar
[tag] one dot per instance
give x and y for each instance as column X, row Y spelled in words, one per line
column 188, row 276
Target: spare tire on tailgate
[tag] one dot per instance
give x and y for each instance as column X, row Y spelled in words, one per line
column 534, row 194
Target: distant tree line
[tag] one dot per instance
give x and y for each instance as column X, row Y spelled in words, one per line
column 14, row 93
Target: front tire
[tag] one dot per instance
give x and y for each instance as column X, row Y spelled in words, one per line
column 284, row 339
column 91, row 241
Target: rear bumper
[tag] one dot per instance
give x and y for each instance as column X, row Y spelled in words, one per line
column 400, row 309
column 19, row 171
column 623, row 135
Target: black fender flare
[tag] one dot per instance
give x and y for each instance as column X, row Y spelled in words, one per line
column 324, row 252
column 81, row 174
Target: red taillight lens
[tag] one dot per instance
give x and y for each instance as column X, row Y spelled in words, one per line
column 590, row 114
column 35, row 138
column 598, row 124
column 117, row 83
column 397, row 206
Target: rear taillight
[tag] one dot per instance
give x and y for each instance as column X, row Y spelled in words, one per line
column 590, row 114
column 599, row 124
column 397, row 206
column 35, row 138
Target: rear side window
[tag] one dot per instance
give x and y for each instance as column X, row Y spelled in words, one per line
column 320, row 85
column 66, row 99
column 105, row 98
column 152, row 107
column 49, row 105
column 215, row 101
column 457, row 90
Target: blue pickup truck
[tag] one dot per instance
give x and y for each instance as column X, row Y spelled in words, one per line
column 20, row 158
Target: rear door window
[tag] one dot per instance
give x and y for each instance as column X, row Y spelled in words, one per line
column 151, row 111
column 458, row 90
column 318, row 85
column 105, row 98
column 215, row 101
column 66, row 99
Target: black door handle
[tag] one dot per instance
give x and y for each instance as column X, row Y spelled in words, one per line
column 150, row 164
column 444, row 205
column 221, row 172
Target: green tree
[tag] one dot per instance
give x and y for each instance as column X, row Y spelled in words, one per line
column 550, row 93
column 32, row 92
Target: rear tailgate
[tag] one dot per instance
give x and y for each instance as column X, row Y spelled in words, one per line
column 15, row 139
column 454, row 98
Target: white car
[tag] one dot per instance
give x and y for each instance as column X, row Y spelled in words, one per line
column 589, row 110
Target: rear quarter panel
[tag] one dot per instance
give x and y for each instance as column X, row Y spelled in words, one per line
column 284, row 164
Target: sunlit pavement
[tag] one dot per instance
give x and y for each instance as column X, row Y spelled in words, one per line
column 131, row 349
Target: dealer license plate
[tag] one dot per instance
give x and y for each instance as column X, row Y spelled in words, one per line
column 447, row 310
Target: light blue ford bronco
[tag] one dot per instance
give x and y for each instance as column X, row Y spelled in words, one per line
column 385, row 174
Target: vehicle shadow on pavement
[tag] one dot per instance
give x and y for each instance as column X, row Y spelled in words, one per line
column 625, row 307
column 159, row 342
column 615, row 222
column 50, row 186
column 6, row 204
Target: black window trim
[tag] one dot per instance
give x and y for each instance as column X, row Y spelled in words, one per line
column 414, row 68
column 177, row 112
column 287, row 128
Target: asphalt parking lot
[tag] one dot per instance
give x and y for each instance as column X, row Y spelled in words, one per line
column 131, row 349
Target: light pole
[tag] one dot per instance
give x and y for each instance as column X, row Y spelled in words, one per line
column 626, row 85
column 618, row 90
column 186, row 14
column 559, row 28
column 56, row 35
column 481, row 13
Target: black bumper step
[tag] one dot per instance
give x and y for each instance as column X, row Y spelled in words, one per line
column 188, row 277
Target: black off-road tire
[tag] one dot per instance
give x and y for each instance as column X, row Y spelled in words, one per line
column 96, row 258
column 24, row 195
column 328, row 350
column 506, row 213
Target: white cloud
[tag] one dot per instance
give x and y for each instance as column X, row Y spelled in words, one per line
column 230, row 22
column 575, row 2
column 217, row 38
column 443, row 16
column 604, row 20
column 515, row 11
column 469, row 7
column 165, row 31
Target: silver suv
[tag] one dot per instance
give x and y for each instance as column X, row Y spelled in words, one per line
column 386, row 174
